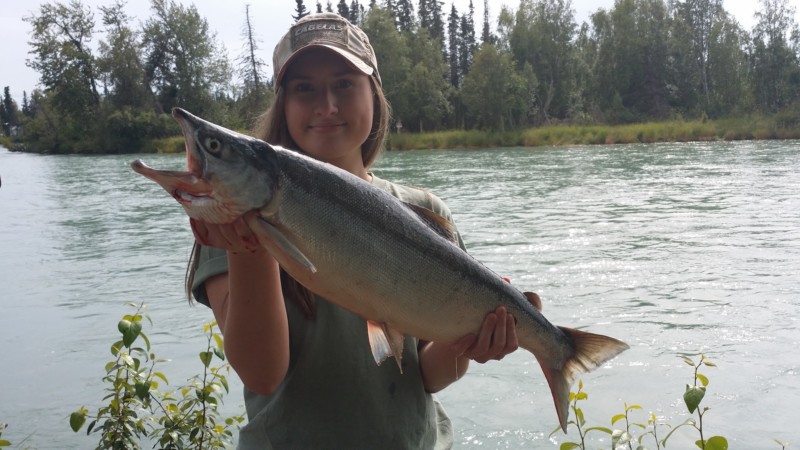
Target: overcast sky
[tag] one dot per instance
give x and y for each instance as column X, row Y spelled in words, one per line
column 271, row 19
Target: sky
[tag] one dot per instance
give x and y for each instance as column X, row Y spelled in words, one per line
column 271, row 19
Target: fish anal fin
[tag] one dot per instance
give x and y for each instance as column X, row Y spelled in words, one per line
column 384, row 342
column 436, row 222
column 266, row 230
column 591, row 351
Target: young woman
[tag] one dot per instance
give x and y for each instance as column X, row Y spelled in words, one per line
column 310, row 379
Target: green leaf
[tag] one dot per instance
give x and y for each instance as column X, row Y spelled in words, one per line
column 687, row 360
column 709, row 364
column 616, row 418
column 205, row 357
column 220, row 354
column 4, row 443
column 77, row 419
column 693, row 396
column 703, row 379
column 131, row 333
column 716, row 443
column 619, row 437
column 142, row 390
column 162, row 376
column 116, row 347
column 632, row 407
column 568, row 446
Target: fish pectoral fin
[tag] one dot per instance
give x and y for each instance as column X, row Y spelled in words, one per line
column 275, row 235
column 384, row 342
column 436, row 222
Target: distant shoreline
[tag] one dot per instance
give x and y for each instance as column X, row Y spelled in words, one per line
column 778, row 127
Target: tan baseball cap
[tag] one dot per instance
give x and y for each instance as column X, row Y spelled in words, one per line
column 326, row 30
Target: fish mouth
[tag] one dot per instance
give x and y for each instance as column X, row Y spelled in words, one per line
column 195, row 160
column 185, row 187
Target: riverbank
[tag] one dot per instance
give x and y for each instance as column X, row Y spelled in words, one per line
column 750, row 128
column 779, row 126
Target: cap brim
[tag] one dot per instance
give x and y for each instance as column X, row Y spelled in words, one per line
column 353, row 60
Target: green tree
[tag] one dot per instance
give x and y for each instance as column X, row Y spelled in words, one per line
column 405, row 15
column 392, row 53
column 356, row 11
column 776, row 75
column 343, row 9
column 120, row 61
column 184, row 65
column 631, row 60
column 467, row 44
column 256, row 93
column 28, row 107
column 426, row 86
column 493, row 91
column 61, row 46
column 453, row 44
column 728, row 69
column 486, row 33
column 9, row 113
column 542, row 37
column 300, row 10
column 707, row 52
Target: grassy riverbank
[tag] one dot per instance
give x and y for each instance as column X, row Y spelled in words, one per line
column 776, row 127
column 780, row 126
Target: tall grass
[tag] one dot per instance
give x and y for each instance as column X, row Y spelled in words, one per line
column 780, row 126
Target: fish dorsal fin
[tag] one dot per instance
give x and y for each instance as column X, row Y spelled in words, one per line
column 384, row 342
column 435, row 222
column 275, row 235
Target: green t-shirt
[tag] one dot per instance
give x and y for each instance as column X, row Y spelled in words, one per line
column 334, row 396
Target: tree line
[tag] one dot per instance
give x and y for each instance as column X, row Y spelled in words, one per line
column 639, row 60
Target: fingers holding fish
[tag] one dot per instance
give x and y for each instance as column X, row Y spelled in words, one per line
column 235, row 236
column 496, row 338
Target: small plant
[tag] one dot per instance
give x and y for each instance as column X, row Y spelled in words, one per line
column 3, row 442
column 692, row 397
column 137, row 410
column 579, row 421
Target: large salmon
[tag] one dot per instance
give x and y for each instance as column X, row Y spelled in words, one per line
column 361, row 248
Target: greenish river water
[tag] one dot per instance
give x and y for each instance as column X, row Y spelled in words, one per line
column 675, row 248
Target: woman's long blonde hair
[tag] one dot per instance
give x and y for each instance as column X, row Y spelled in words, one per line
column 272, row 127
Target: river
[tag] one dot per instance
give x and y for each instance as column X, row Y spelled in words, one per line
column 678, row 249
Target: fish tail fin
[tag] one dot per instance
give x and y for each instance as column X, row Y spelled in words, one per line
column 591, row 351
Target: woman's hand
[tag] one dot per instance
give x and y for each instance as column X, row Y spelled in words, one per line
column 443, row 363
column 496, row 339
column 236, row 237
column 497, row 336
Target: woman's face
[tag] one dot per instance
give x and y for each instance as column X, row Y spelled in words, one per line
column 329, row 108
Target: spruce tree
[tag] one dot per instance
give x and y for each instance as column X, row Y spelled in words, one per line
column 486, row 36
column 453, row 44
column 343, row 9
column 404, row 15
column 300, row 10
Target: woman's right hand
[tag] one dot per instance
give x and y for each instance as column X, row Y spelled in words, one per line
column 236, row 237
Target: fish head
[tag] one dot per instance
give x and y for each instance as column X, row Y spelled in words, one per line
column 228, row 173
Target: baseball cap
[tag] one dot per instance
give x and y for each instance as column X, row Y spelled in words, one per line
column 325, row 30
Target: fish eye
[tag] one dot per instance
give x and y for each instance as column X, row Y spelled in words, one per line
column 213, row 145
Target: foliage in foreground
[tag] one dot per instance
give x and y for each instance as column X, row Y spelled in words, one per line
column 138, row 410
column 648, row 433
column 188, row 418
